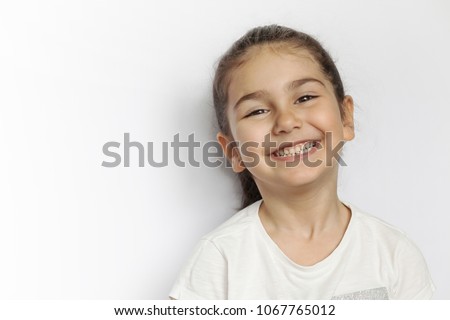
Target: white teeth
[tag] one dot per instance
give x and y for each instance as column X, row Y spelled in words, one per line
column 298, row 149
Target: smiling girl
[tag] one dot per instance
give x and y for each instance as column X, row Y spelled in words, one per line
column 281, row 105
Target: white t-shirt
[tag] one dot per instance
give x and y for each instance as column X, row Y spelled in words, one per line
column 239, row 260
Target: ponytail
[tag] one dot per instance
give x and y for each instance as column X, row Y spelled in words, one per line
column 250, row 191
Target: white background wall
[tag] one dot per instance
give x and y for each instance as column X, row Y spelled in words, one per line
column 77, row 74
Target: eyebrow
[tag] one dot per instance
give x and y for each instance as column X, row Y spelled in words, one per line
column 261, row 93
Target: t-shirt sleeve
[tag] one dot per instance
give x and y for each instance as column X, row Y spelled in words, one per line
column 413, row 278
column 204, row 276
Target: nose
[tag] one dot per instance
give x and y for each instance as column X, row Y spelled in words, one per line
column 286, row 121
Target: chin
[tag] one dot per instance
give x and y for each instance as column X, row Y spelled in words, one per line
column 299, row 179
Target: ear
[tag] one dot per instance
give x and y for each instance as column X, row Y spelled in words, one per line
column 347, row 121
column 231, row 151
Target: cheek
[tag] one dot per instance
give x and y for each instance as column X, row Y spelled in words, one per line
column 326, row 119
column 248, row 132
column 250, row 140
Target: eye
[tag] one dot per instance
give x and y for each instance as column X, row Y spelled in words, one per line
column 305, row 98
column 256, row 112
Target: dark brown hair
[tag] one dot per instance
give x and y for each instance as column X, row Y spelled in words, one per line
column 238, row 54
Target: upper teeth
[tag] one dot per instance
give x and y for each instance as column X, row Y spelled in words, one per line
column 298, row 149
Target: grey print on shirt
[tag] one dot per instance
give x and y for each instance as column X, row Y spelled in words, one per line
column 369, row 294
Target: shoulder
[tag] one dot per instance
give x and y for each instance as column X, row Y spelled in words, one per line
column 371, row 226
column 412, row 279
column 205, row 274
column 235, row 227
column 392, row 240
column 217, row 242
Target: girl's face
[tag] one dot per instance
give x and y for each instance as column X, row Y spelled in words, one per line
column 287, row 100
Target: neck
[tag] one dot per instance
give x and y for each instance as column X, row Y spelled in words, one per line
column 306, row 210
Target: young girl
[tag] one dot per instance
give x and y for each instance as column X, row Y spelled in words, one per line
column 283, row 117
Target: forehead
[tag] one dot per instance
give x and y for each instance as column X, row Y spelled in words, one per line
column 269, row 68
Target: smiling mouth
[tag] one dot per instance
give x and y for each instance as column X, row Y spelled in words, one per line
column 296, row 149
